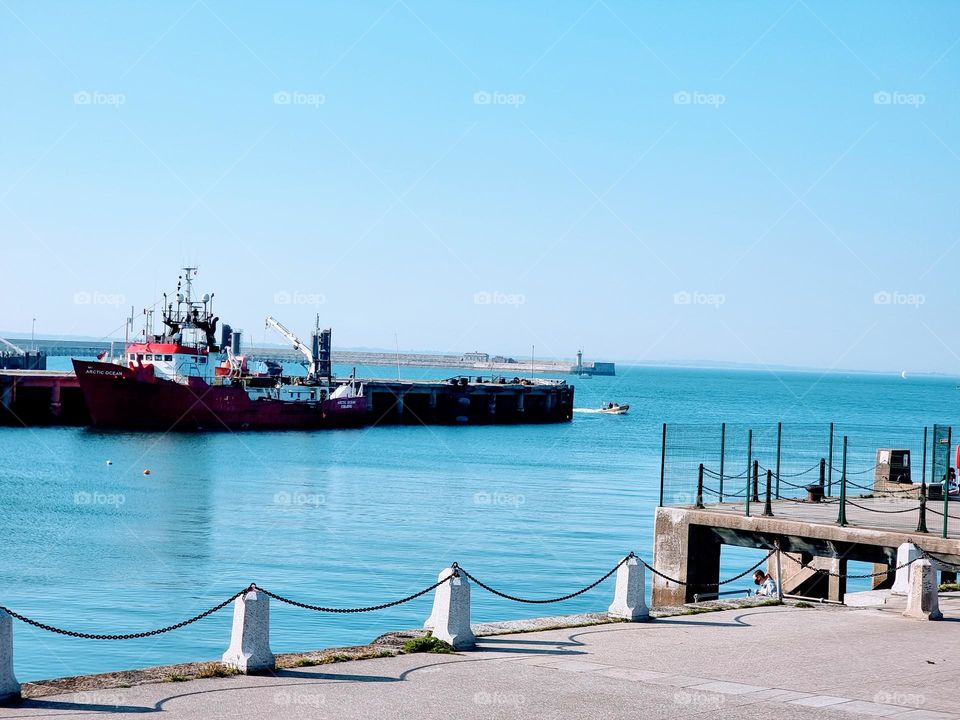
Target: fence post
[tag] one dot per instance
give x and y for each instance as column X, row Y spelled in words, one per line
column 699, row 503
column 922, row 600
column 823, row 472
column 663, row 461
column 723, row 443
column 946, row 482
column 779, row 439
column 450, row 619
column 629, row 599
column 9, row 687
column 749, row 463
column 756, row 481
column 249, row 649
column 842, row 517
column 830, row 464
column 767, row 508
column 779, row 573
column 923, row 472
column 922, row 522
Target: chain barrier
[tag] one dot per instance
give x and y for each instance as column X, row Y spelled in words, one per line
column 854, row 577
column 851, row 472
column 891, row 492
column 792, row 484
column 786, row 475
column 707, row 585
column 937, row 559
column 726, row 476
column 126, row 636
column 937, row 512
column 457, row 571
column 371, row 608
column 801, row 501
column 505, row 596
column 884, row 512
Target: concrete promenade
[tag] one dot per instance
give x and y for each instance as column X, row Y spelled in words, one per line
column 755, row 662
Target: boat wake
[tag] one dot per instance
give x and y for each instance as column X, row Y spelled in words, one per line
column 589, row 411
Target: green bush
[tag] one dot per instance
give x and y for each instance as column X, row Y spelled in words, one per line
column 427, row 643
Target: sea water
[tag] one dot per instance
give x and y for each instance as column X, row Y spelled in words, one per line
column 353, row 518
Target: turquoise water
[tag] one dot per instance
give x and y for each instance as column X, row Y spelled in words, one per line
column 358, row 517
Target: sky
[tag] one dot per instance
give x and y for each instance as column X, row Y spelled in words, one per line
column 768, row 183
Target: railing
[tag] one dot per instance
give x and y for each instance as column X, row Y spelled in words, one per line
column 449, row 621
column 771, row 475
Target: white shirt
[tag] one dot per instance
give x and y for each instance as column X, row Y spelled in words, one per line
column 768, row 588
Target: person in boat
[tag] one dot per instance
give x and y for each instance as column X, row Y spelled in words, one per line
column 768, row 588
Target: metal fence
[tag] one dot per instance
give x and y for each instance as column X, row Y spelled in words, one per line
column 842, row 459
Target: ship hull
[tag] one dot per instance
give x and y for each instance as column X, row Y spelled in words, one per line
column 122, row 397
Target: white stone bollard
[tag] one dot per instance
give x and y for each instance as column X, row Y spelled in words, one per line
column 906, row 553
column 249, row 649
column 9, row 687
column 450, row 618
column 923, row 602
column 629, row 600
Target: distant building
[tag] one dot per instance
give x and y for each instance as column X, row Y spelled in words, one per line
column 475, row 357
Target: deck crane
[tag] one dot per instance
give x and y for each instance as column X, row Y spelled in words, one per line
column 298, row 344
column 16, row 350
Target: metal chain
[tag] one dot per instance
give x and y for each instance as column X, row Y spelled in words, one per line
column 714, row 473
column 832, row 501
column 852, row 472
column 873, row 489
column 707, row 585
column 783, row 475
column 937, row 512
column 885, row 512
column 935, row 558
column 591, row 586
column 372, row 608
column 853, row 577
column 127, row 636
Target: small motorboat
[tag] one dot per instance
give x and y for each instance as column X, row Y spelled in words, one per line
column 614, row 409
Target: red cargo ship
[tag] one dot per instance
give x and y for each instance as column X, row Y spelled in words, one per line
column 184, row 380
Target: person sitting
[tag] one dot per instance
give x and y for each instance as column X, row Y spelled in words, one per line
column 768, row 588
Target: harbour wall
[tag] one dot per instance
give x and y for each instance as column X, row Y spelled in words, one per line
column 93, row 348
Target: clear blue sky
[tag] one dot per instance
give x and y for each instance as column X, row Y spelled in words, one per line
column 792, row 166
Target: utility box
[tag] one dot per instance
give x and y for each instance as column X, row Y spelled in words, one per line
column 893, row 469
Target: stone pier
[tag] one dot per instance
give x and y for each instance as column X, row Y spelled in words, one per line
column 688, row 541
